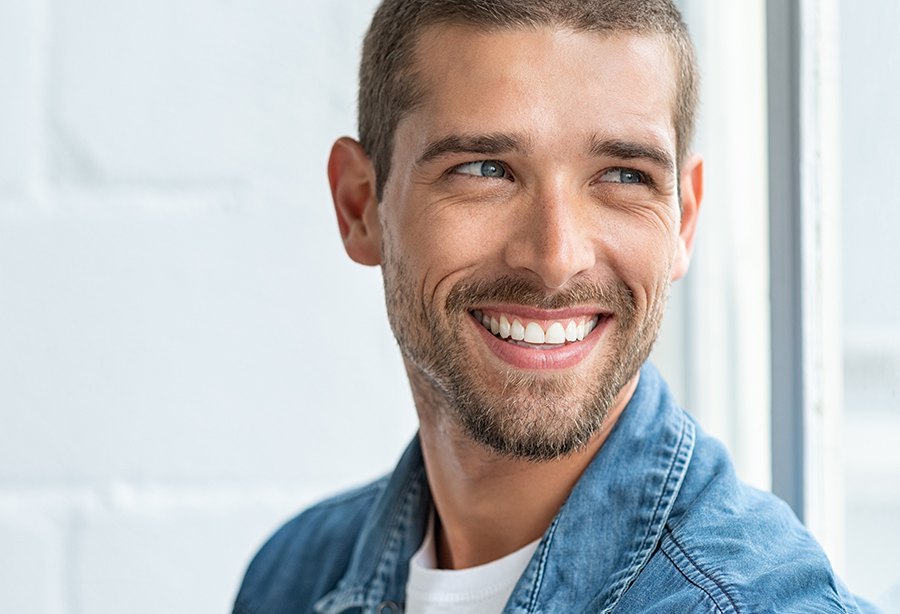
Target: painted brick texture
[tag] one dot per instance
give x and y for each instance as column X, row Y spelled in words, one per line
column 171, row 387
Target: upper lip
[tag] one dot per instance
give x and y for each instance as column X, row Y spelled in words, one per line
column 534, row 313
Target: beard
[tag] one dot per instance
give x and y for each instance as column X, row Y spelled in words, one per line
column 515, row 413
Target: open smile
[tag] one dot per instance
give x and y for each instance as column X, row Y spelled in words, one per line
column 539, row 334
column 530, row 339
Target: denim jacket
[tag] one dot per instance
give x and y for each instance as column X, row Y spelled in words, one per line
column 658, row 522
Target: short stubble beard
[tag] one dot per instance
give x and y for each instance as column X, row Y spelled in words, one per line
column 528, row 416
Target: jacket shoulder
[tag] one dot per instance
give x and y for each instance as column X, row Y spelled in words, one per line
column 761, row 561
column 307, row 556
column 743, row 549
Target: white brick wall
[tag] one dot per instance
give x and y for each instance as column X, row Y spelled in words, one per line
column 186, row 356
column 21, row 53
column 33, row 553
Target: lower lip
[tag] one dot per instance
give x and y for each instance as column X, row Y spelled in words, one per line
column 562, row 357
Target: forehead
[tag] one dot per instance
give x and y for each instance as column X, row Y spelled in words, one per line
column 549, row 81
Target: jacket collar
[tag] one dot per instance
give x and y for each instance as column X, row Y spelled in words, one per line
column 595, row 547
column 613, row 520
column 394, row 530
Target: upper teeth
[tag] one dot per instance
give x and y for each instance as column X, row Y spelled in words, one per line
column 555, row 332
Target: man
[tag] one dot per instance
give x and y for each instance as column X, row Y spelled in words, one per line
column 524, row 179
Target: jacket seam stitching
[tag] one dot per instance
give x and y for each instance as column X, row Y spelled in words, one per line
column 359, row 591
column 539, row 577
column 692, row 582
column 384, row 570
column 641, row 557
column 703, row 572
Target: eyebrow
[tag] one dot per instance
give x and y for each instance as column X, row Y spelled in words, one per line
column 630, row 150
column 497, row 144
column 486, row 144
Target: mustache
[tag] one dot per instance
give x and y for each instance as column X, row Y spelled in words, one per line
column 615, row 297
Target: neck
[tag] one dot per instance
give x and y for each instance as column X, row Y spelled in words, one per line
column 490, row 505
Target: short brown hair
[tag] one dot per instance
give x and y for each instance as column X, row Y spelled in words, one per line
column 388, row 89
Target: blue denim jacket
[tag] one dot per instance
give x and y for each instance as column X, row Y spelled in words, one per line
column 658, row 522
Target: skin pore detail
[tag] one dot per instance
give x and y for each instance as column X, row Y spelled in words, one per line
column 492, row 156
column 522, row 412
column 542, row 260
column 488, row 145
column 535, row 192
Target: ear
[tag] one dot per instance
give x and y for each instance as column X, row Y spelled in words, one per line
column 691, row 195
column 352, row 179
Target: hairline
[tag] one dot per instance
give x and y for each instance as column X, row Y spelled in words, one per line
column 414, row 85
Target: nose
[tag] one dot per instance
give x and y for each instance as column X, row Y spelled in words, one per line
column 552, row 240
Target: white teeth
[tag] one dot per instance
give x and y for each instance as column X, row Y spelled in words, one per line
column 534, row 333
column 517, row 331
column 505, row 328
column 555, row 334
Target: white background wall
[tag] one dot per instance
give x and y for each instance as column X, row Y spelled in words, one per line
column 186, row 356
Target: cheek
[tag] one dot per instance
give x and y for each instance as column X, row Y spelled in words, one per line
column 443, row 246
column 641, row 254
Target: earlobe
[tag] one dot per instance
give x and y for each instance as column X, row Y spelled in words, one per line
column 352, row 179
column 691, row 196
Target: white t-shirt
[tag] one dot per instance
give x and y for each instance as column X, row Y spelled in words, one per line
column 477, row 590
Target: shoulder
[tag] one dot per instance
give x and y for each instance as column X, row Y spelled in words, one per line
column 732, row 548
column 307, row 556
column 752, row 555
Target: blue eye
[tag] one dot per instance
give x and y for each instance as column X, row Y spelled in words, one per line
column 483, row 168
column 623, row 175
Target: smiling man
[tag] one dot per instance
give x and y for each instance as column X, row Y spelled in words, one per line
column 524, row 179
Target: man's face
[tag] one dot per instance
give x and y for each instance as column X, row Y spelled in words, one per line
column 530, row 228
